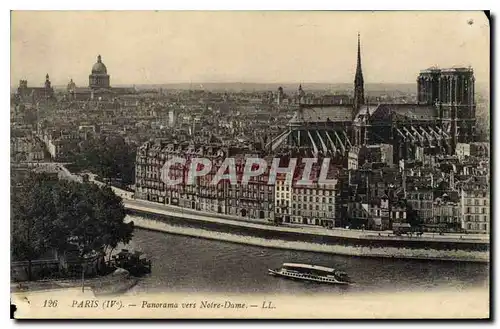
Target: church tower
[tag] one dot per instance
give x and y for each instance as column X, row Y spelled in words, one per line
column 47, row 81
column 359, row 89
column 48, row 91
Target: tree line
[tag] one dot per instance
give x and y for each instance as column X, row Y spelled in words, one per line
column 108, row 157
column 48, row 214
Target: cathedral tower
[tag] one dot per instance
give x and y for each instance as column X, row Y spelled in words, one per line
column 359, row 89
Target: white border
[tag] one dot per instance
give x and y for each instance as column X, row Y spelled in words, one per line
column 251, row 5
column 199, row 5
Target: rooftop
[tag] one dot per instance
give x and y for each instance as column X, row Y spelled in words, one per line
column 319, row 114
column 435, row 69
column 384, row 112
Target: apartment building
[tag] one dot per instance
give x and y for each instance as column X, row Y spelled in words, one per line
column 475, row 205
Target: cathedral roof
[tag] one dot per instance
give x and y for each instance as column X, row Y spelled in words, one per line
column 414, row 112
column 99, row 67
column 333, row 113
column 384, row 112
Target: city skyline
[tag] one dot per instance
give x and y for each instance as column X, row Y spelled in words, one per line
column 300, row 47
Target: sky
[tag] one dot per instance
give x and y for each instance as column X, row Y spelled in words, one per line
column 154, row 47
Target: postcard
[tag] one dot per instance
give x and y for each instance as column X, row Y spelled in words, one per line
column 250, row 164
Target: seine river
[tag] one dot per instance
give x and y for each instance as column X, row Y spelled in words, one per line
column 187, row 264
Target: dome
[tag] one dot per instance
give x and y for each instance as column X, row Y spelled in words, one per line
column 99, row 67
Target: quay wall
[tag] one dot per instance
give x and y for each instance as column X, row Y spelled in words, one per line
column 271, row 236
column 154, row 224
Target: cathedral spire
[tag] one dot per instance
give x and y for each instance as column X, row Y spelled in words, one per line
column 358, row 67
column 359, row 92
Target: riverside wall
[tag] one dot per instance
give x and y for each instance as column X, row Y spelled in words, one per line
column 370, row 245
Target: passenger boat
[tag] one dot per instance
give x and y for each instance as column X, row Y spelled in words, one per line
column 313, row 273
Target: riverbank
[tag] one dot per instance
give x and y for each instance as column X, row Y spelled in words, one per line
column 147, row 207
column 114, row 283
column 359, row 251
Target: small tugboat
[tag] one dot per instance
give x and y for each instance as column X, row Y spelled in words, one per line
column 134, row 262
column 313, row 273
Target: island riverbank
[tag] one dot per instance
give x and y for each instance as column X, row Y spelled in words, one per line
column 212, row 220
column 285, row 238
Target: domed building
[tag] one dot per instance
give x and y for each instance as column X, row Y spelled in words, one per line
column 99, row 87
column 99, row 78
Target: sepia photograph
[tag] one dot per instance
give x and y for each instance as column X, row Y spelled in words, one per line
column 250, row 164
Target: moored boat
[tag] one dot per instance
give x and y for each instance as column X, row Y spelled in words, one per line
column 313, row 273
column 134, row 262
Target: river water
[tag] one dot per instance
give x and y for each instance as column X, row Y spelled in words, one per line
column 187, row 264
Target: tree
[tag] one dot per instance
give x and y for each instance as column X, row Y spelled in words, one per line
column 32, row 211
column 412, row 216
column 108, row 157
column 63, row 215
column 110, row 213
column 89, row 217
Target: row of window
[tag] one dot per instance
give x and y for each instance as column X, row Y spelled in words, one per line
column 477, row 227
column 307, row 191
column 309, row 213
column 236, row 203
column 475, row 210
column 247, row 194
column 151, row 186
column 247, row 212
column 310, row 207
column 313, row 199
column 476, row 202
column 282, row 195
column 147, row 168
column 154, row 173
column 313, row 192
column 161, row 187
column 398, row 214
column 446, row 219
column 262, row 196
column 420, row 196
column 297, row 275
column 454, row 213
column 476, row 218
column 476, row 194
column 212, row 194
column 238, row 188
column 421, row 205
column 213, row 202
column 250, row 187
